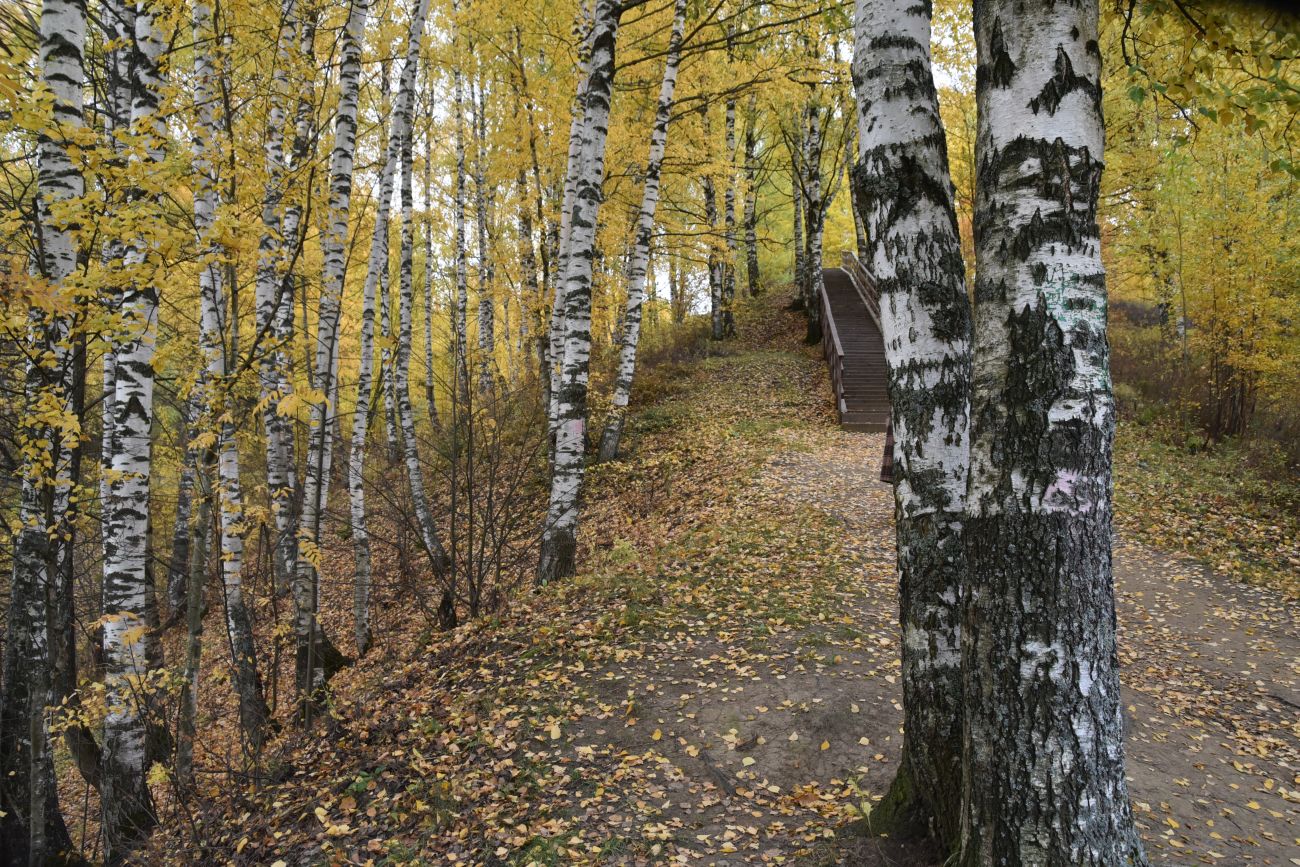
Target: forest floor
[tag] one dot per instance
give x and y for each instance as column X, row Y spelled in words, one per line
column 719, row 685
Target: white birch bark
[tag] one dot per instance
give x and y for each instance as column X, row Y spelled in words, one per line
column 750, row 217
column 31, row 828
column 814, row 221
column 215, row 322
column 315, row 654
column 459, row 312
column 127, row 586
column 638, row 260
column 914, row 253
column 585, row 32
column 397, row 148
column 430, row 392
column 273, row 299
column 729, row 223
column 1044, row 751
column 559, row 537
column 482, row 223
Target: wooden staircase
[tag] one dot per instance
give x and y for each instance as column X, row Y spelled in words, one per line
column 854, row 347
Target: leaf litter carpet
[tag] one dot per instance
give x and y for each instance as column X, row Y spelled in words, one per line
column 720, row 684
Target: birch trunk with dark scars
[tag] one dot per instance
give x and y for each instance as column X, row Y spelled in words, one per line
column 430, row 395
column 215, row 322
column 32, row 829
column 751, row 202
column 1044, row 753
column 361, row 413
column 128, row 604
column 559, row 534
column 460, row 307
column 584, row 33
column 317, row 658
column 638, row 261
column 914, row 252
column 273, row 299
column 729, row 225
column 717, row 319
column 482, row 224
column 397, row 146
column 796, row 227
column 814, row 221
column 402, row 133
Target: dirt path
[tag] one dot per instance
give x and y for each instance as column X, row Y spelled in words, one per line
column 765, row 732
column 1211, row 675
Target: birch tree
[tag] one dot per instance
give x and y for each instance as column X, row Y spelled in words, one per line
column 273, row 298
column 32, row 829
column 914, row 252
column 316, row 655
column 559, row 533
column 639, row 258
column 215, row 322
column 1044, row 753
column 128, row 602
column 814, row 221
column 750, row 216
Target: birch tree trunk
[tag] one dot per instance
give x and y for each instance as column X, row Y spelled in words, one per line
column 178, row 566
column 32, row 828
column 430, row 396
column 482, row 218
column 814, row 220
column 639, row 259
column 1044, row 752
column 914, row 252
column 195, row 609
column 585, row 33
column 215, row 322
column 398, row 147
column 273, row 298
column 361, row 413
column 317, row 657
column 751, row 202
column 128, row 586
column 459, row 327
column 559, row 534
column 797, row 149
column 729, row 224
column 714, row 264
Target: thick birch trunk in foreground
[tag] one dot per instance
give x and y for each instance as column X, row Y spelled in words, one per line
column 914, row 252
column 317, row 657
column 1044, row 751
column 584, row 33
column 559, row 534
column 638, row 261
column 215, row 321
column 32, row 829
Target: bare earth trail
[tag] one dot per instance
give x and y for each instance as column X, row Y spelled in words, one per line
column 719, row 684
column 765, row 741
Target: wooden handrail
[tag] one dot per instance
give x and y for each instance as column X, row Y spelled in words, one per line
column 833, row 350
column 862, row 281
